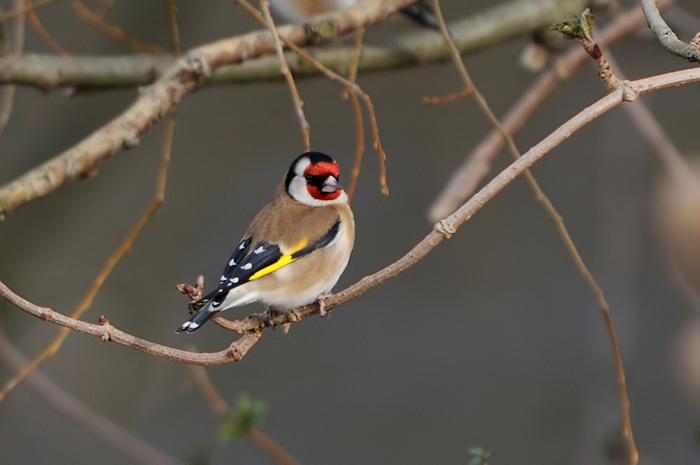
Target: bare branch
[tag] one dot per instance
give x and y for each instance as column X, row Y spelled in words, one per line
column 106, row 332
column 252, row 326
column 689, row 51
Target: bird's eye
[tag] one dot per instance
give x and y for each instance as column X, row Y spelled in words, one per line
column 309, row 178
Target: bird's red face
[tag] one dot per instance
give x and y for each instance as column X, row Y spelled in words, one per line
column 322, row 180
column 313, row 180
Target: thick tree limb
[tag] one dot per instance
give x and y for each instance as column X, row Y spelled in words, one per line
column 417, row 46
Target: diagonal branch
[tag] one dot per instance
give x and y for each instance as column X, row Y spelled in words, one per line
column 468, row 176
column 555, row 216
column 252, row 326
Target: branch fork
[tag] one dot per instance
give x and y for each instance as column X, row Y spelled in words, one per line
column 580, row 28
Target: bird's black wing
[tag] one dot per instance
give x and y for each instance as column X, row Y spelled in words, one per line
column 249, row 263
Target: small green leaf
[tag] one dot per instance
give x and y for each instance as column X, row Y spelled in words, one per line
column 479, row 456
column 579, row 27
column 247, row 414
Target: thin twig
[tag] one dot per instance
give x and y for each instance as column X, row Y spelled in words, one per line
column 558, row 223
column 351, row 86
column 114, row 31
column 27, row 8
column 447, row 98
column 357, row 112
column 284, row 70
column 112, row 262
column 253, row 325
column 39, row 28
column 357, row 90
column 174, row 31
column 93, row 422
column 689, row 51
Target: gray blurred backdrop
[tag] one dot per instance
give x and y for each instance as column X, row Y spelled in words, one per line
column 493, row 340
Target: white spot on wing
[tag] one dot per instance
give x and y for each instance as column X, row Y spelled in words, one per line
column 223, row 278
column 259, row 250
column 241, row 246
column 247, row 266
column 232, row 262
column 234, row 280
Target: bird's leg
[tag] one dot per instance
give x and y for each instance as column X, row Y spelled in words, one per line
column 269, row 314
column 322, row 305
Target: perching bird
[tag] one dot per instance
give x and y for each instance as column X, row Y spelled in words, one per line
column 300, row 10
column 295, row 249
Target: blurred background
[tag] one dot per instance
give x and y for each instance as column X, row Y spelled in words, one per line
column 493, row 340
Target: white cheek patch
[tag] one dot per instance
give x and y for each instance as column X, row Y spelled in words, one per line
column 300, row 169
column 298, row 191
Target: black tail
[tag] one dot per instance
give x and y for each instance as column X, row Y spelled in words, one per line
column 198, row 319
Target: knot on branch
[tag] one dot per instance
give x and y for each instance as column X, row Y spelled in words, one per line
column 321, row 31
column 195, row 68
column 694, row 55
column 131, row 138
column 629, row 91
column 103, row 321
column 446, row 228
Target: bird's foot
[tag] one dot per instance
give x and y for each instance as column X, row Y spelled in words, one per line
column 322, row 305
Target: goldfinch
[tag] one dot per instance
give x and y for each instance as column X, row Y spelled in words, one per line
column 300, row 10
column 295, row 249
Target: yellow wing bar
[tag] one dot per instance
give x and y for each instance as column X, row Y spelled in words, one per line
column 284, row 260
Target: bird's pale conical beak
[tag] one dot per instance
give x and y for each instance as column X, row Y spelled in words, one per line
column 330, row 185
